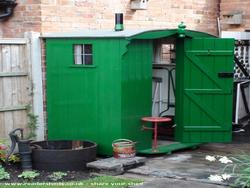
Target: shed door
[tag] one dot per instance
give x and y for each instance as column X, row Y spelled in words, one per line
column 204, row 90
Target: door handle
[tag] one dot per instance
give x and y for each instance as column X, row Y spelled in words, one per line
column 225, row 74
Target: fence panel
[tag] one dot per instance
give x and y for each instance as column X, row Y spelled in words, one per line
column 15, row 85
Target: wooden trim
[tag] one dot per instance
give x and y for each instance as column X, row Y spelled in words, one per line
column 13, row 74
column 13, row 41
column 12, row 108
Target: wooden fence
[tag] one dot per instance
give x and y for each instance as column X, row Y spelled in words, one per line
column 15, row 84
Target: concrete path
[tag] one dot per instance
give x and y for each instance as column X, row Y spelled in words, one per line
column 174, row 183
column 183, row 165
column 187, row 168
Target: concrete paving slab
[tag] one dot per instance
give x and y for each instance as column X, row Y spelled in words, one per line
column 116, row 166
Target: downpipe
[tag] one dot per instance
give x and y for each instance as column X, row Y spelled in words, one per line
column 7, row 7
column 8, row 12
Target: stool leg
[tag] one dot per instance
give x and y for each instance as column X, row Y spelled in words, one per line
column 155, row 137
column 154, row 98
column 160, row 100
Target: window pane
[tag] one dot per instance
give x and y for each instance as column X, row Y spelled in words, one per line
column 88, row 60
column 83, row 54
column 88, row 49
column 78, row 54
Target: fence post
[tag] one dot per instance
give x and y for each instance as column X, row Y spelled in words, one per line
column 36, row 72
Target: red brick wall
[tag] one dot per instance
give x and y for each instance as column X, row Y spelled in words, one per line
column 227, row 6
column 26, row 17
column 72, row 15
column 43, row 58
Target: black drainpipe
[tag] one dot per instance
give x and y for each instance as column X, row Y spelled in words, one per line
column 7, row 8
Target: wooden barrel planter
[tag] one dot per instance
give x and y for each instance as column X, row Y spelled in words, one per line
column 62, row 155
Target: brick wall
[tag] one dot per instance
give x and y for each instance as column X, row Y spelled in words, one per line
column 73, row 15
column 26, row 17
column 227, row 6
column 43, row 61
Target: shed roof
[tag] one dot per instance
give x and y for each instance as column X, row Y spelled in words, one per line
column 128, row 33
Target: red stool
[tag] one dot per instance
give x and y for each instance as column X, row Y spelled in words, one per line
column 155, row 121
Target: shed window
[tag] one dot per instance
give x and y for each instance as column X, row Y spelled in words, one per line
column 83, row 54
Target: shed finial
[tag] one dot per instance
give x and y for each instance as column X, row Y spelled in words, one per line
column 181, row 30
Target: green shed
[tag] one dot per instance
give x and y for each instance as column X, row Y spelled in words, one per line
column 99, row 86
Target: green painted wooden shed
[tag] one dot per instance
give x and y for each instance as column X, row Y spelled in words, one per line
column 99, row 86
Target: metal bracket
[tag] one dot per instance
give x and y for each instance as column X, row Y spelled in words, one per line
column 225, row 74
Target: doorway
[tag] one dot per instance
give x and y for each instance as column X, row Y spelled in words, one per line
column 200, row 99
column 163, row 85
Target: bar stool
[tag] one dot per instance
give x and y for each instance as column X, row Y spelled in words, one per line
column 155, row 121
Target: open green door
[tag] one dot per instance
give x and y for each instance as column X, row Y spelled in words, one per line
column 204, row 90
